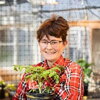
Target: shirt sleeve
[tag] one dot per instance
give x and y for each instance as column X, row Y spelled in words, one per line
column 21, row 90
column 72, row 89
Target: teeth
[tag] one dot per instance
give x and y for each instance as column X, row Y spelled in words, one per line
column 50, row 52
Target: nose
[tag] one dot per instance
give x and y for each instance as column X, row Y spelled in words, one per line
column 49, row 46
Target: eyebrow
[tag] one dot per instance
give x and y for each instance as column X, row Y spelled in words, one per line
column 51, row 40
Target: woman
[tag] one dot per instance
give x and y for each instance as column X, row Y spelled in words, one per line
column 51, row 37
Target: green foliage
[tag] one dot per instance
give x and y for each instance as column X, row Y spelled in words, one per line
column 86, row 69
column 10, row 87
column 41, row 75
column 2, row 83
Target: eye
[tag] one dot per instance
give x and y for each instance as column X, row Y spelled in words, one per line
column 54, row 42
column 45, row 42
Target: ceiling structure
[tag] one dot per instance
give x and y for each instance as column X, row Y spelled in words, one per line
column 10, row 2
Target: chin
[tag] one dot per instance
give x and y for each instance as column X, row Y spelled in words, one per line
column 51, row 59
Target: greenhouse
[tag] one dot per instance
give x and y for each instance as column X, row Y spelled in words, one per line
column 19, row 21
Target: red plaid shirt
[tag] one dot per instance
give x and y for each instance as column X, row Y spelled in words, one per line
column 70, row 86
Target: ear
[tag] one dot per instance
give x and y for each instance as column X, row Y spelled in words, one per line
column 65, row 43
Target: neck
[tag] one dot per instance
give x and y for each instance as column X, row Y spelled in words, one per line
column 50, row 63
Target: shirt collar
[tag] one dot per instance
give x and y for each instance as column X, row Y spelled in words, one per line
column 60, row 61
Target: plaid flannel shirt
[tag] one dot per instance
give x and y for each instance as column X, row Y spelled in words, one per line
column 70, row 86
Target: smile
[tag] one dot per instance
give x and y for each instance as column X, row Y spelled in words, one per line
column 50, row 52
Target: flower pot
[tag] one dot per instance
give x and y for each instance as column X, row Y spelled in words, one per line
column 2, row 91
column 38, row 96
column 86, row 89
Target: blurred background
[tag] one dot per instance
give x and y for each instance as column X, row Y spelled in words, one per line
column 19, row 20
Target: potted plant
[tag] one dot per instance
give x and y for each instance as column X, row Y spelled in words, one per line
column 41, row 80
column 10, row 89
column 87, row 70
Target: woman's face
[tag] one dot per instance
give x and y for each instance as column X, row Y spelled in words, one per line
column 51, row 48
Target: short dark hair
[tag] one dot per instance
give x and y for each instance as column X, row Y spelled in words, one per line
column 56, row 26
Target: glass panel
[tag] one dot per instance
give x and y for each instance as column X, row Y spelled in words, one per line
column 6, row 36
column 24, row 36
column 6, row 56
column 25, row 55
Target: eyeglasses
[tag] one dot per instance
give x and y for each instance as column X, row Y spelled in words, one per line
column 53, row 43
